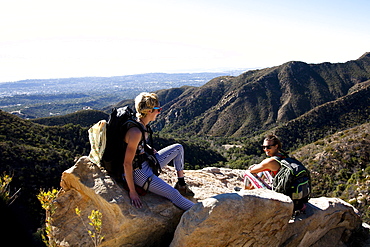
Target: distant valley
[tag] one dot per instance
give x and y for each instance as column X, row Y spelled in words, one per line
column 50, row 97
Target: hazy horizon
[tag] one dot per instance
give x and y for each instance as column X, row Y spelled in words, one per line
column 44, row 39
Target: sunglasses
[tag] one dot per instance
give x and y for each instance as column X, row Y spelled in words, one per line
column 267, row 147
column 157, row 108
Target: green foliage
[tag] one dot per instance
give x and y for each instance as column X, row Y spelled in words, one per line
column 346, row 112
column 340, row 166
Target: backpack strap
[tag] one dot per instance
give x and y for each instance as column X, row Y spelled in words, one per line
column 146, row 154
column 150, row 131
column 279, row 157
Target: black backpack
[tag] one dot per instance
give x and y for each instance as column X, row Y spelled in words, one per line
column 293, row 180
column 120, row 121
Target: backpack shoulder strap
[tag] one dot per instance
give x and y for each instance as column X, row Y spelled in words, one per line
column 279, row 158
column 132, row 123
column 149, row 130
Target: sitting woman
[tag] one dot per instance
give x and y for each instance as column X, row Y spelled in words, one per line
column 280, row 173
column 260, row 175
column 147, row 108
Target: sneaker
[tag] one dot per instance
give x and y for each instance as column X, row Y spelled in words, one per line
column 184, row 190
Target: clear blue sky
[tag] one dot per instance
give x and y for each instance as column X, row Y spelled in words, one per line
column 73, row 38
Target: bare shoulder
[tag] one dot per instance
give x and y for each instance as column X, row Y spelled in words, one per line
column 271, row 164
column 133, row 135
column 266, row 164
column 134, row 130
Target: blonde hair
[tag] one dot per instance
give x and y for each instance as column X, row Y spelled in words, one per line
column 144, row 103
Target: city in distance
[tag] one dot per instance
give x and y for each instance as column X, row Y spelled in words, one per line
column 45, row 97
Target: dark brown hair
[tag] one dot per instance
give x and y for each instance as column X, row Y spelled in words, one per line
column 276, row 141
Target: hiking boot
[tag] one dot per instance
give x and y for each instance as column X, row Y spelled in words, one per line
column 184, row 190
column 298, row 212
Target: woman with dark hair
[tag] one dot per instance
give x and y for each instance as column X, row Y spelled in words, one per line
column 280, row 173
column 273, row 148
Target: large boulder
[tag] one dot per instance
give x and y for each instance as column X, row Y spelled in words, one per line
column 89, row 188
column 327, row 222
column 253, row 218
column 263, row 218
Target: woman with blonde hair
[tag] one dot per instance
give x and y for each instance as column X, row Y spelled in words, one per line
column 147, row 108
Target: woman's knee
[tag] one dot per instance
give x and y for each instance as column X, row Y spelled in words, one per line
column 177, row 146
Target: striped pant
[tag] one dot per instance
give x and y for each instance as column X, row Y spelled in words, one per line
column 175, row 153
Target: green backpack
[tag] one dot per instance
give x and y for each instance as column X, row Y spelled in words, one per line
column 294, row 180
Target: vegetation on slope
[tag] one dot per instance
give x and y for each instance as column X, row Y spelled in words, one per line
column 85, row 118
column 36, row 156
column 340, row 166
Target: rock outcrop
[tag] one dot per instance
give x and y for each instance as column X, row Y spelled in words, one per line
column 256, row 217
column 262, row 218
column 89, row 188
column 220, row 218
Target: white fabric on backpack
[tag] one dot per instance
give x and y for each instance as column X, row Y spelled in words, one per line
column 97, row 138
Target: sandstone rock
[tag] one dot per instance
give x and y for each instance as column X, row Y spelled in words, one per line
column 327, row 222
column 263, row 218
column 209, row 181
column 220, row 218
column 251, row 218
column 89, row 188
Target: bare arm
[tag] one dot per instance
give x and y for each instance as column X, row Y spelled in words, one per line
column 266, row 164
column 132, row 138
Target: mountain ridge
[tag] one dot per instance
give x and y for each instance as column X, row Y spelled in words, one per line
column 260, row 99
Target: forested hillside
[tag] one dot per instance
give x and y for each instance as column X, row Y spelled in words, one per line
column 340, row 166
column 85, row 118
column 35, row 156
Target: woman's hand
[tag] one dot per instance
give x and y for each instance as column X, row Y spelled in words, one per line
column 249, row 168
column 135, row 199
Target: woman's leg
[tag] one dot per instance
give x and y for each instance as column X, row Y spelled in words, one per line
column 160, row 187
column 173, row 152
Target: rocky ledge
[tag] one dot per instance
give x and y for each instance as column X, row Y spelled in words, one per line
column 220, row 217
